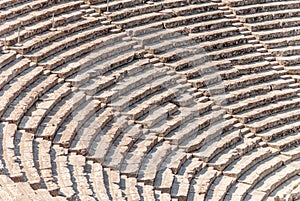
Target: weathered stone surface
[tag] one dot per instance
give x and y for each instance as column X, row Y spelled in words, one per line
column 149, row 100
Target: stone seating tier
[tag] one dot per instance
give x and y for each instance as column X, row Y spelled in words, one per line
column 149, row 100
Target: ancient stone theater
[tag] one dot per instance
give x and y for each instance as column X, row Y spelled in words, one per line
column 149, row 100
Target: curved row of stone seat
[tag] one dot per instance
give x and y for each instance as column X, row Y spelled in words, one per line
column 68, row 55
column 168, row 179
column 39, row 99
column 275, row 25
column 273, row 181
column 116, row 9
column 10, row 164
column 247, row 181
column 282, row 112
column 77, row 165
column 156, row 92
column 72, row 40
column 96, row 177
column 249, row 103
column 21, row 153
column 21, row 7
column 12, row 67
column 85, row 135
column 71, row 176
column 181, row 185
column 177, row 20
column 7, row 58
column 7, row 3
column 142, row 13
column 130, row 188
column 61, row 172
column 288, row 190
column 30, row 122
column 23, row 85
column 120, row 53
column 20, row 165
column 205, row 178
column 41, row 150
column 267, row 6
column 135, row 157
column 128, row 98
column 150, row 172
column 24, row 149
column 23, row 102
column 17, row 85
column 45, row 37
column 180, row 169
column 65, row 135
column 119, row 89
column 22, row 190
column 255, row 173
column 39, row 20
column 152, row 36
column 101, row 6
column 59, row 113
column 46, row 159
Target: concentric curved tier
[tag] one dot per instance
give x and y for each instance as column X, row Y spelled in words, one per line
column 150, row 100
